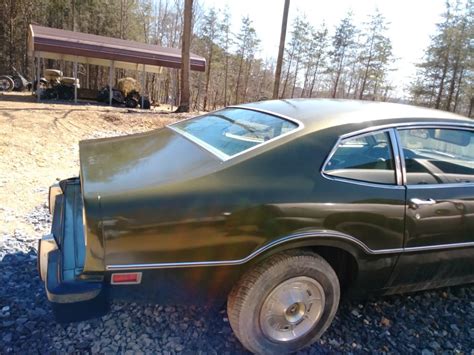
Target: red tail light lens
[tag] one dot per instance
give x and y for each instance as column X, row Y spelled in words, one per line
column 126, row 278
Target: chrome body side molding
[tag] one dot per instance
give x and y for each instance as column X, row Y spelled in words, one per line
column 293, row 237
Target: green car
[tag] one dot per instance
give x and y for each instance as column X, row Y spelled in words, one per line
column 278, row 207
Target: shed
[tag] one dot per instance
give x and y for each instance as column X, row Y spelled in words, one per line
column 78, row 47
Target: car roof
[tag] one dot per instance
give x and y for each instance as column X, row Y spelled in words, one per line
column 318, row 114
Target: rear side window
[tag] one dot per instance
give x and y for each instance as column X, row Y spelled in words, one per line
column 233, row 130
column 364, row 158
column 438, row 155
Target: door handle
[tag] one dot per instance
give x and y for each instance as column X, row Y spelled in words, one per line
column 417, row 202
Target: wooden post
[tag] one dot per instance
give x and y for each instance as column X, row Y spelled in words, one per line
column 87, row 76
column 38, row 78
column 143, row 85
column 75, row 82
column 111, row 75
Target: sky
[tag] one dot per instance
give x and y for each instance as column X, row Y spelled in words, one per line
column 411, row 23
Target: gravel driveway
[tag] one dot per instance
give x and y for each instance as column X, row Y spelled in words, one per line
column 427, row 322
column 440, row 321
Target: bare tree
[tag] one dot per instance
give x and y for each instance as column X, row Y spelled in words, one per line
column 281, row 50
column 185, row 57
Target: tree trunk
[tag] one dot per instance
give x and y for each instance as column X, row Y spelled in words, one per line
column 290, row 60
column 366, row 72
column 456, row 97
column 208, row 77
column 11, row 34
column 313, row 81
column 452, row 84
column 73, row 24
column 338, row 76
column 443, row 77
column 334, row 91
column 246, row 81
column 281, row 49
column 185, row 59
column 296, row 78
column 306, row 79
column 364, row 80
column 239, row 74
column 471, row 107
column 226, row 75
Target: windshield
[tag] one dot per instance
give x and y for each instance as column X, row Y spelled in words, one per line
column 232, row 130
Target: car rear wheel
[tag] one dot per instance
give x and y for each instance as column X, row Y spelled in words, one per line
column 284, row 303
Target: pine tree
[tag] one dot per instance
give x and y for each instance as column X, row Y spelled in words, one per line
column 375, row 55
column 210, row 37
column 445, row 77
column 343, row 41
column 247, row 43
column 296, row 49
column 315, row 58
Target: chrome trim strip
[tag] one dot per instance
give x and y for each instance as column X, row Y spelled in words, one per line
column 299, row 236
column 405, row 125
column 224, row 157
column 441, row 186
column 255, row 253
column 439, row 246
column 402, row 157
column 363, row 183
column 200, row 143
column 396, row 156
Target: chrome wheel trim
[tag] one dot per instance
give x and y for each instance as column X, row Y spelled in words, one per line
column 292, row 309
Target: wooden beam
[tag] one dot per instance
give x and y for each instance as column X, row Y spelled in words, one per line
column 97, row 61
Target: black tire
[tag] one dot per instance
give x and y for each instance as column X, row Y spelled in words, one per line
column 250, row 294
column 131, row 102
column 6, row 83
column 19, row 82
column 146, row 104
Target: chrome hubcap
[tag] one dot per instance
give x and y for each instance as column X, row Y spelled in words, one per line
column 292, row 309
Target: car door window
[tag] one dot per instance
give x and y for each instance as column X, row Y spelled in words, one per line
column 364, row 158
column 438, row 155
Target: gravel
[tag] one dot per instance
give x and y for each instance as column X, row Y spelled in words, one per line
column 432, row 322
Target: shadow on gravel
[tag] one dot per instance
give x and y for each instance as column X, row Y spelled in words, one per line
column 433, row 322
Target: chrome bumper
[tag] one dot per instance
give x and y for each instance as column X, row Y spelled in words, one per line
column 54, row 190
column 45, row 245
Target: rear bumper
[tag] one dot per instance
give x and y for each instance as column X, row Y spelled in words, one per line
column 60, row 260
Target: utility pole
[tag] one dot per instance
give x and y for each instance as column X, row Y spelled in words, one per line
column 281, row 49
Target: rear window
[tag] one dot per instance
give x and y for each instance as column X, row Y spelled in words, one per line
column 231, row 131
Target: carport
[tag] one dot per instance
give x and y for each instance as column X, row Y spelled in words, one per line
column 77, row 47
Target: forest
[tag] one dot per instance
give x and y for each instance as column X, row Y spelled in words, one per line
column 349, row 61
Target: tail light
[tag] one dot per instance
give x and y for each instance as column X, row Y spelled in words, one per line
column 126, row 278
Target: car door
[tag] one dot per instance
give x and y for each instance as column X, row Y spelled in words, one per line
column 439, row 224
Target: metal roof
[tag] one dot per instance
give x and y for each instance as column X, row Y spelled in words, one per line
column 317, row 114
column 53, row 43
